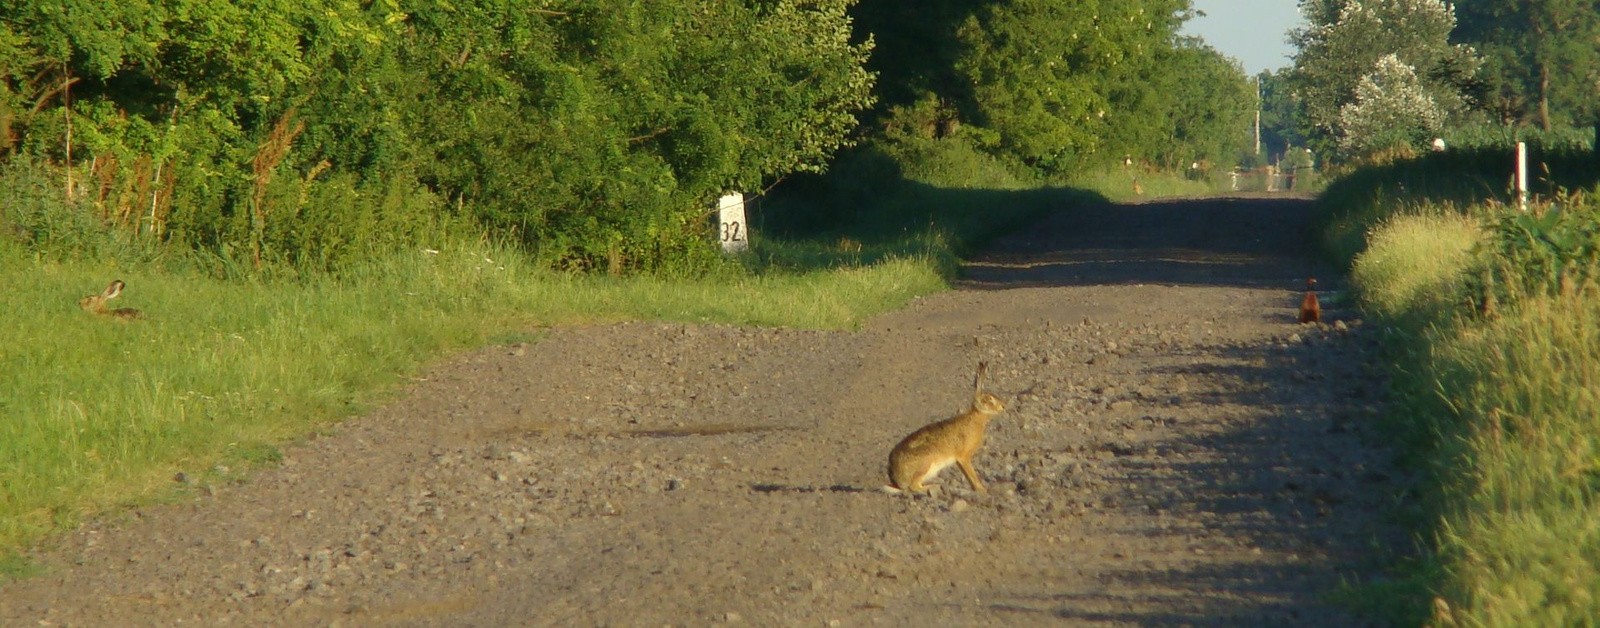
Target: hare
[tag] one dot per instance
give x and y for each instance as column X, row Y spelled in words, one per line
column 1310, row 309
column 96, row 303
column 929, row 450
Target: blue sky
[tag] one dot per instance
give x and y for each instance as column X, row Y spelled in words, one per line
column 1253, row 31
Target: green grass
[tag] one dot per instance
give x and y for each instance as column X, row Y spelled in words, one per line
column 1415, row 264
column 1520, row 541
column 102, row 413
column 1117, row 184
column 1502, row 414
column 1357, row 200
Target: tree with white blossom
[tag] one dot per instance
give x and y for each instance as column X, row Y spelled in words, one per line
column 1390, row 109
column 1346, row 40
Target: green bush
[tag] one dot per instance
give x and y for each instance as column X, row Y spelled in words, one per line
column 36, row 214
column 1499, row 136
column 316, row 133
column 1545, row 251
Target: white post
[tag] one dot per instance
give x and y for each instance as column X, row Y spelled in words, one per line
column 1522, row 176
column 731, row 229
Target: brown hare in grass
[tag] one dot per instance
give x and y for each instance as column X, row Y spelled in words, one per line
column 953, row 441
column 96, row 303
column 1310, row 309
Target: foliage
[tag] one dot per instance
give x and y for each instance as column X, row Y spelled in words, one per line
column 1499, row 412
column 1344, row 43
column 1416, row 263
column 1361, row 198
column 1499, row 136
column 1211, row 103
column 1282, row 115
column 914, row 57
column 317, row 133
column 1547, row 251
column 1541, row 61
column 1492, row 321
column 1390, row 109
column 1052, row 79
column 312, row 135
column 1055, row 86
column 33, row 214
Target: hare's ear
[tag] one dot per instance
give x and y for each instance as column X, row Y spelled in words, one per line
column 113, row 290
column 977, row 380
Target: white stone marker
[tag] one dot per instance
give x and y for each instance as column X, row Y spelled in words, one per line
column 731, row 225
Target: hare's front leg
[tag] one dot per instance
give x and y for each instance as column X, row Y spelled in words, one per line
column 972, row 474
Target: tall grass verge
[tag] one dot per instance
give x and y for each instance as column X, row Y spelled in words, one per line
column 1359, row 199
column 1416, row 264
column 1497, row 399
column 1519, row 541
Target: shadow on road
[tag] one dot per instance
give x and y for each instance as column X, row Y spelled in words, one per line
column 1273, row 480
column 1238, row 242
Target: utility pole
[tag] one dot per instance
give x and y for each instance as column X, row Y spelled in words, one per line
column 1258, row 115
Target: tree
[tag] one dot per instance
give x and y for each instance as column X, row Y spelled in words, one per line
column 594, row 130
column 915, row 51
column 1283, row 120
column 1208, row 106
column 1345, row 41
column 1056, row 81
column 1542, row 57
column 1390, row 109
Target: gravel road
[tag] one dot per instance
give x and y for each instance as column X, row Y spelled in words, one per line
column 1177, row 451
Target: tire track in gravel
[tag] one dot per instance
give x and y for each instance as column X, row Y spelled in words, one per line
column 1176, row 452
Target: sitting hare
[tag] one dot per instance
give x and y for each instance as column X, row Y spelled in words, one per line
column 96, row 303
column 929, row 450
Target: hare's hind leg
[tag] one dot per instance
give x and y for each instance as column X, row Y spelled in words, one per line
column 972, row 475
column 920, row 483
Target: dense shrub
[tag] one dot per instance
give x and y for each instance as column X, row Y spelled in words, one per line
column 315, row 132
column 1544, row 252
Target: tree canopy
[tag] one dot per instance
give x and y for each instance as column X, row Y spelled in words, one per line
column 1542, row 58
column 593, row 130
column 1057, row 85
column 1377, row 43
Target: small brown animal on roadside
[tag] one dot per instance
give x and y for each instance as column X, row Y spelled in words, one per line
column 96, row 303
column 953, row 441
column 1310, row 309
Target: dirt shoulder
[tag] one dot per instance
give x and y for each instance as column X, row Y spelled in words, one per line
column 1177, row 451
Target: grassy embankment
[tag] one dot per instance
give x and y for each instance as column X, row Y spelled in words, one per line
column 1492, row 324
column 101, row 414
